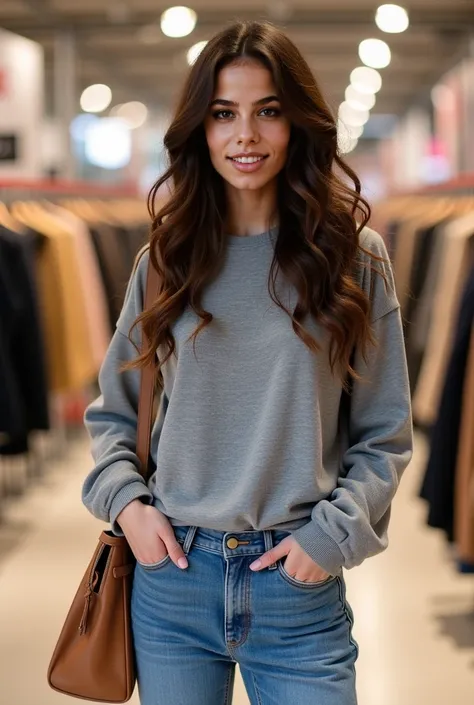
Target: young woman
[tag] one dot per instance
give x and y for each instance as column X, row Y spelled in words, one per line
column 284, row 422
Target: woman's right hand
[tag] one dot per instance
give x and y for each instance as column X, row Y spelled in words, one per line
column 150, row 534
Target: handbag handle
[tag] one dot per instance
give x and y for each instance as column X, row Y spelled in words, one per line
column 147, row 383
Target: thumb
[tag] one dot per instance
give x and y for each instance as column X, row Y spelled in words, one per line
column 273, row 555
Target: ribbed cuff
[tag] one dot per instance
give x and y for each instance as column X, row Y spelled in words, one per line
column 132, row 491
column 322, row 548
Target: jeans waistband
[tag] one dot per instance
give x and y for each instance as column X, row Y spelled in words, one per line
column 229, row 543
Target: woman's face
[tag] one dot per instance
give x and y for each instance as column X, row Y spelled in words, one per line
column 246, row 132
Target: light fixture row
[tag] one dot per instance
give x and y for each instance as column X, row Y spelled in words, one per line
column 366, row 80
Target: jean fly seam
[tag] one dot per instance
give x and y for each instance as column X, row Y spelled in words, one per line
column 246, row 629
column 227, row 692
column 231, row 645
column 257, row 692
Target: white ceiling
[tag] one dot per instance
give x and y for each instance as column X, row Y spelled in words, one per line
column 327, row 31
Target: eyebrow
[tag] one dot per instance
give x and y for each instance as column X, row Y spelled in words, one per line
column 232, row 104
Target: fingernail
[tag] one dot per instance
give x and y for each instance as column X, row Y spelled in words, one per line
column 183, row 563
column 255, row 565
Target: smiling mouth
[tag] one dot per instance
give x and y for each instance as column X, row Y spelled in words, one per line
column 247, row 160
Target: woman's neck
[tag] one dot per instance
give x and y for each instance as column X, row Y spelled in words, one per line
column 251, row 212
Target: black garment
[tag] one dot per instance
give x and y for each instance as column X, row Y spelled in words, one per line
column 23, row 383
column 134, row 239
column 438, row 486
column 116, row 256
column 424, row 239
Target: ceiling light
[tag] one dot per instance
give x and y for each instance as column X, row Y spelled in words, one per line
column 345, row 132
column 375, row 53
column 80, row 124
column 108, row 143
column 96, row 98
column 133, row 113
column 178, row 21
column 392, row 19
column 346, row 142
column 352, row 117
column 361, row 101
column 194, row 52
column 366, row 80
column 349, row 146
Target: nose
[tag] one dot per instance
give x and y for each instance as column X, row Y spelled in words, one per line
column 247, row 131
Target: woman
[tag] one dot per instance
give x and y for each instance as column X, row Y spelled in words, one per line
column 284, row 419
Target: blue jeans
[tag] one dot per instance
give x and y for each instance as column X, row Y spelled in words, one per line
column 293, row 641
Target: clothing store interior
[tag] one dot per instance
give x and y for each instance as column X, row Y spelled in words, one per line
column 87, row 91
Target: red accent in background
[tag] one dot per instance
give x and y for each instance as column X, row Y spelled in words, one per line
column 82, row 188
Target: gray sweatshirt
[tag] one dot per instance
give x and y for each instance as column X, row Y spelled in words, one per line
column 252, row 431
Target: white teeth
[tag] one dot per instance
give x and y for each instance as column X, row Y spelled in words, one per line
column 247, row 160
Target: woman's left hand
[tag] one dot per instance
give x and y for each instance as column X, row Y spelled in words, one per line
column 298, row 564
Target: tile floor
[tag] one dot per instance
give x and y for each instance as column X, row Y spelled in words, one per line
column 414, row 613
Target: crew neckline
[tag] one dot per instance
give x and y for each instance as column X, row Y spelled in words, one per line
column 251, row 241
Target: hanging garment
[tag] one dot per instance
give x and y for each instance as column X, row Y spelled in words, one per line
column 70, row 361
column 23, row 386
column 113, row 253
column 421, row 316
column 464, row 482
column 457, row 254
column 440, row 477
column 95, row 303
column 424, row 239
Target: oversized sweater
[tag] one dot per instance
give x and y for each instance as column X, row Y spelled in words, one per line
column 253, row 430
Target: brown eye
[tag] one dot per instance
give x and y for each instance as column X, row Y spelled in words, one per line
column 270, row 112
column 222, row 114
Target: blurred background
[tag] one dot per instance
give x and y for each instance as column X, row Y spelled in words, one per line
column 87, row 88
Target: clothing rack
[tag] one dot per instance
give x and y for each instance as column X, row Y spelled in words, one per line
column 18, row 469
column 430, row 238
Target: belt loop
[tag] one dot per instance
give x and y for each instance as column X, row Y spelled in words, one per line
column 188, row 541
column 268, row 538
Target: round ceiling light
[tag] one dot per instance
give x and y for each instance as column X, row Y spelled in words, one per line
column 178, row 21
column 392, row 19
column 366, row 80
column 358, row 100
column 348, row 132
column 133, row 113
column 96, row 98
column 352, row 117
column 375, row 53
column 194, row 52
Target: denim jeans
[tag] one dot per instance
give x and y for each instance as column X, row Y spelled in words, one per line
column 293, row 641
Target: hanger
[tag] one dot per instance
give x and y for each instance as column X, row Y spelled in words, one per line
column 8, row 221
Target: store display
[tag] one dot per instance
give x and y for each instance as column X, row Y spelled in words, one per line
column 431, row 241
column 60, row 299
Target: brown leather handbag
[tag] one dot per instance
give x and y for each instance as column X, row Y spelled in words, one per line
column 94, row 657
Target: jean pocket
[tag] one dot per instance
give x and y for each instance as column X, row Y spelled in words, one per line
column 155, row 566
column 300, row 583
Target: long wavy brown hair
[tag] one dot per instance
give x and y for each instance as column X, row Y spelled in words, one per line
column 320, row 216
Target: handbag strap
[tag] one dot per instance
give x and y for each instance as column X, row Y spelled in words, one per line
column 147, row 383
